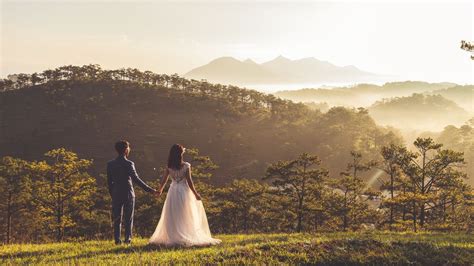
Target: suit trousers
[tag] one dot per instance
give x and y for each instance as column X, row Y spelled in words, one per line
column 123, row 207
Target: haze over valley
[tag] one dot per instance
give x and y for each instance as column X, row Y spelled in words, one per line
column 408, row 106
column 412, row 107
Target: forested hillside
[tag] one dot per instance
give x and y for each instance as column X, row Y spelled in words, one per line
column 459, row 139
column 462, row 95
column 86, row 109
column 419, row 112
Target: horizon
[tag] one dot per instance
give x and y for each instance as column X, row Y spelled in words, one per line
column 283, row 87
column 172, row 38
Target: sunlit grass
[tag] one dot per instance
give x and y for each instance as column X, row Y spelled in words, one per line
column 327, row 248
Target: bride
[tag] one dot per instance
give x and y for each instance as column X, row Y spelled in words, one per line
column 183, row 220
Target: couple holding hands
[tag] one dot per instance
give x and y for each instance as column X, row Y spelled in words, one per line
column 183, row 220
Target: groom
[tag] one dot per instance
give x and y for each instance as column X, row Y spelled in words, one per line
column 121, row 175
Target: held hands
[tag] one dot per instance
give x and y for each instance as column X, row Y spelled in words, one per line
column 198, row 197
column 158, row 193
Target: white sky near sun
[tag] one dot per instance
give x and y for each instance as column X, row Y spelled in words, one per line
column 417, row 40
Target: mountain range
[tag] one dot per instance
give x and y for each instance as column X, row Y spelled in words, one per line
column 281, row 70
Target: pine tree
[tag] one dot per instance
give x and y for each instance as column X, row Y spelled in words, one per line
column 432, row 177
column 15, row 193
column 296, row 180
column 62, row 188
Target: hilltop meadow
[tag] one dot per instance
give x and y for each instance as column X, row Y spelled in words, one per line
column 287, row 249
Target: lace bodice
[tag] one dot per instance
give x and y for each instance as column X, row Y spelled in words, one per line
column 179, row 175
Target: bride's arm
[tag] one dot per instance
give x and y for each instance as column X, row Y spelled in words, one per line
column 191, row 184
column 164, row 179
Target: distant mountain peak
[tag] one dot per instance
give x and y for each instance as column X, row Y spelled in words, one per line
column 249, row 61
column 224, row 59
column 309, row 59
column 279, row 59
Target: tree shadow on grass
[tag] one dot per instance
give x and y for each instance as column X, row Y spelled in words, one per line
column 334, row 252
column 145, row 248
column 42, row 255
column 26, row 254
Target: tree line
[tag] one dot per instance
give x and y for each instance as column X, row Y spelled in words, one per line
column 250, row 100
column 423, row 189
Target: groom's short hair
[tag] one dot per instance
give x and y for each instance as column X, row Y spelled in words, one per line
column 121, row 146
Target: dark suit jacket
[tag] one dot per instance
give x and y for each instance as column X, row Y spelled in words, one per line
column 121, row 175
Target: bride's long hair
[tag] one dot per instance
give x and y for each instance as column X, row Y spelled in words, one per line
column 175, row 158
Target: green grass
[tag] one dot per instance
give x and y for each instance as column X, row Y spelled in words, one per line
column 330, row 249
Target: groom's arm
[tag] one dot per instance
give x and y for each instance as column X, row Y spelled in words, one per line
column 133, row 174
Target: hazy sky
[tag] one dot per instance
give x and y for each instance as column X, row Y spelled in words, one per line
column 411, row 40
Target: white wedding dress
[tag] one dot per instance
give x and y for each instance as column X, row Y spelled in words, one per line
column 183, row 221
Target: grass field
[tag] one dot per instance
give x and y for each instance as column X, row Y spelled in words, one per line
column 330, row 249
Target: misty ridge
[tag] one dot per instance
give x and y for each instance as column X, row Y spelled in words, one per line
column 408, row 106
